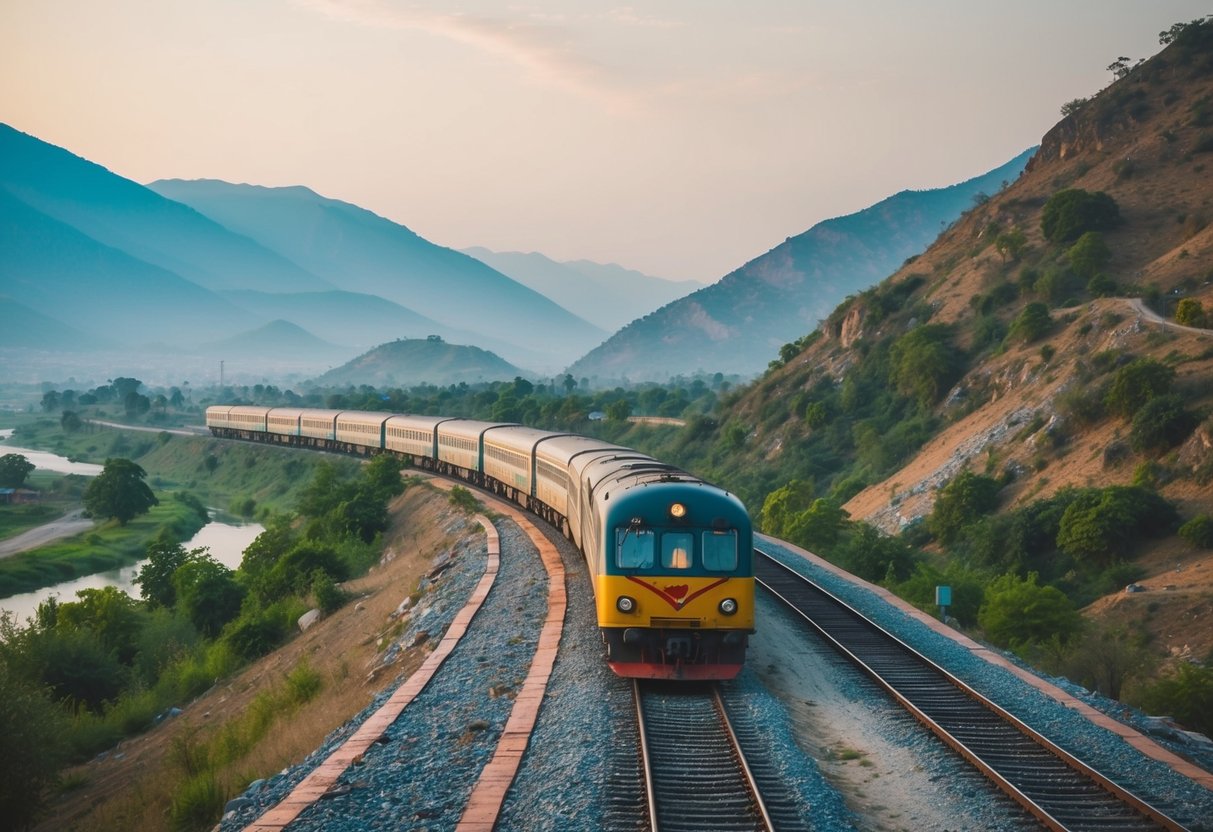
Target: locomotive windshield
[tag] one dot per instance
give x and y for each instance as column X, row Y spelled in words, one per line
column 636, row 548
column 676, row 550
column 720, row 550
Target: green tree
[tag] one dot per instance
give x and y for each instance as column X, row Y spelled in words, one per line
column 207, row 592
column 1135, row 384
column 1019, row 611
column 1103, row 524
column 926, row 363
column 14, row 468
column 155, row 579
column 619, row 411
column 875, row 557
column 782, row 505
column 119, row 491
column 109, row 613
column 819, row 525
column 1072, row 212
column 1089, row 255
column 32, row 747
column 70, row 421
column 1032, row 324
column 962, row 501
column 50, row 401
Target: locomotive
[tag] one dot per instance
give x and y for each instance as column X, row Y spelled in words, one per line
column 669, row 555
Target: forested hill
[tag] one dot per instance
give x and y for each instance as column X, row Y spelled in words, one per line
column 737, row 324
column 420, row 361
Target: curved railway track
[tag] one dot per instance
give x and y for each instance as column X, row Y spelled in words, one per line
column 1056, row 788
column 697, row 777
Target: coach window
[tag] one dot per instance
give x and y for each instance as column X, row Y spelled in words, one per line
column 676, row 550
column 635, row 548
column 720, row 550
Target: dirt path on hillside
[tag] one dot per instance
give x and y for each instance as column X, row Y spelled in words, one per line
column 73, row 522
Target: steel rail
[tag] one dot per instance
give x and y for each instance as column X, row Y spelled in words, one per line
column 926, row 674
column 716, row 777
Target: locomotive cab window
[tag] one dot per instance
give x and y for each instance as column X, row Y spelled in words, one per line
column 635, row 548
column 676, row 550
column 720, row 550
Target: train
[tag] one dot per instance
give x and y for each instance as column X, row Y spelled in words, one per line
column 670, row 556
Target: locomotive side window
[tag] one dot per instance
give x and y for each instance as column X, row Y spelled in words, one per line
column 720, row 550
column 635, row 548
column 676, row 550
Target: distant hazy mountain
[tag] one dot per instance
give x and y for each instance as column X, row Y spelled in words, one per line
column 68, row 276
column 359, row 251
column 738, row 324
column 280, row 340
column 127, row 216
column 21, row 326
column 606, row 295
column 427, row 361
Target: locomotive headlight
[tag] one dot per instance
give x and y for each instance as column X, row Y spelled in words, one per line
column 678, row 511
column 728, row 606
column 625, row 604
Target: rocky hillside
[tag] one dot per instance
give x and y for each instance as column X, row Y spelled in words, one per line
column 737, row 324
column 1034, row 342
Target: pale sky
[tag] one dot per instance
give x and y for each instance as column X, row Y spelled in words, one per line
column 680, row 138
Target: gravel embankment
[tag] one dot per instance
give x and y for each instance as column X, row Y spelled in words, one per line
column 420, row 776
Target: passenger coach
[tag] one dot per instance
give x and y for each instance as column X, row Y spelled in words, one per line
column 669, row 555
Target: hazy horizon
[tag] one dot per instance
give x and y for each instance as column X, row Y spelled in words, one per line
column 680, row 140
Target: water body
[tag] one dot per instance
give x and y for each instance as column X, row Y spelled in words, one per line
column 226, row 541
column 45, row 460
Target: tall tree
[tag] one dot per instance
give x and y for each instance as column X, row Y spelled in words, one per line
column 14, row 468
column 119, row 491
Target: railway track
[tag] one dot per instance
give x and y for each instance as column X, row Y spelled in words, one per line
column 697, row 777
column 1056, row 788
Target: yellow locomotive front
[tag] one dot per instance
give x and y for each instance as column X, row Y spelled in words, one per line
column 674, row 579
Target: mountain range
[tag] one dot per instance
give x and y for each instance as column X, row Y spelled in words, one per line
column 203, row 268
column 607, row 295
column 738, row 324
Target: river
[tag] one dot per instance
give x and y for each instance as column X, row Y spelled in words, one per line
column 226, row 541
column 45, row 460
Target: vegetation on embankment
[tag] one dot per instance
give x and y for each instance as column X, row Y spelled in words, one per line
column 85, row 673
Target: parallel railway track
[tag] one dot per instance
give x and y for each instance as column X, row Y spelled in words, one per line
column 1056, row 788
column 697, row 776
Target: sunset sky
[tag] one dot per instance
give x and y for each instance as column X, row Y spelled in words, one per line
column 678, row 138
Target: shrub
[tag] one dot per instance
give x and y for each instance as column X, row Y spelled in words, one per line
column 1089, row 255
column 1136, row 383
column 1187, row 696
column 1161, row 423
column 1017, row 612
column 31, row 747
column 1072, row 212
column 1103, row 524
column 1190, row 312
column 1198, row 532
column 1032, row 324
column 962, row 501
column 925, row 363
